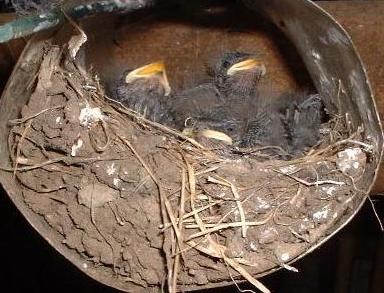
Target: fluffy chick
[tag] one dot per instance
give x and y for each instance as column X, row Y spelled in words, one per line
column 303, row 120
column 291, row 122
column 237, row 74
column 233, row 87
column 266, row 127
column 145, row 90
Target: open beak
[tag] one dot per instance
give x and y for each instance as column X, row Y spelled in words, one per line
column 248, row 64
column 208, row 133
column 151, row 70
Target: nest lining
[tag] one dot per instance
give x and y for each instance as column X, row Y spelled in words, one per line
column 114, row 186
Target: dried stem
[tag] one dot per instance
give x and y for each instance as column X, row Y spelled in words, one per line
column 181, row 215
column 25, row 119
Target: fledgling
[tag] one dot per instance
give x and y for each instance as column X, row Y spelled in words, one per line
column 266, row 127
column 291, row 122
column 146, row 90
column 237, row 75
column 233, row 87
column 302, row 120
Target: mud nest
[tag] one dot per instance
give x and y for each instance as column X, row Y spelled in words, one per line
column 147, row 205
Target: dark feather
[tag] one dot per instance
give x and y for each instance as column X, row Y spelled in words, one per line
column 303, row 120
column 265, row 129
column 194, row 103
column 145, row 96
column 220, row 119
column 242, row 84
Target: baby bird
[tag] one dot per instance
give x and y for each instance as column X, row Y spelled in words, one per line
column 292, row 123
column 237, row 74
column 233, row 86
column 266, row 128
column 145, row 90
column 302, row 120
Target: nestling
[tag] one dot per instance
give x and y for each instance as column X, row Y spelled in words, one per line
column 230, row 96
column 146, row 90
column 302, row 120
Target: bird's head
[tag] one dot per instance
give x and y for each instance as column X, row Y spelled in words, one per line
column 239, row 71
column 154, row 74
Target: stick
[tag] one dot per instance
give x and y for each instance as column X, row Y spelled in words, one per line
column 66, row 159
column 190, row 214
column 376, row 214
column 181, row 214
column 215, row 227
column 18, row 148
column 308, row 184
column 25, row 119
column 236, row 195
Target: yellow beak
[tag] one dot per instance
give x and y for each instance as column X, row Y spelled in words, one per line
column 248, row 64
column 208, row 133
column 150, row 70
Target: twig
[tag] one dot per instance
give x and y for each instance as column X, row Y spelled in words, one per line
column 75, row 88
column 236, row 195
column 116, row 213
column 190, row 214
column 25, row 119
column 37, row 166
column 234, row 282
column 245, row 274
column 76, row 41
column 263, row 148
column 298, row 235
column 18, row 148
column 217, row 251
column 181, row 215
column 216, row 227
column 308, row 184
column 296, row 196
column 209, row 170
column 376, row 214
column 41, row 146
column 226, row 215
column 65, row 159
column 349, row 140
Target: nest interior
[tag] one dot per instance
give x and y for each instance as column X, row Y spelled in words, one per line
column 138, row 205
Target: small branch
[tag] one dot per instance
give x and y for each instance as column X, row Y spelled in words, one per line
column 19, row 144
column 191, row 214
column 65, row 159
column 215, row 227
column 25, row 119
column 376, row 214
column 181, row 214
column 236, row 195
column 308, row 184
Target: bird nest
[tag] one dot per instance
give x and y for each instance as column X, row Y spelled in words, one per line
column 147, row 205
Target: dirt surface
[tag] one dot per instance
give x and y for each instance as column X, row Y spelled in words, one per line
column 114, row 186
